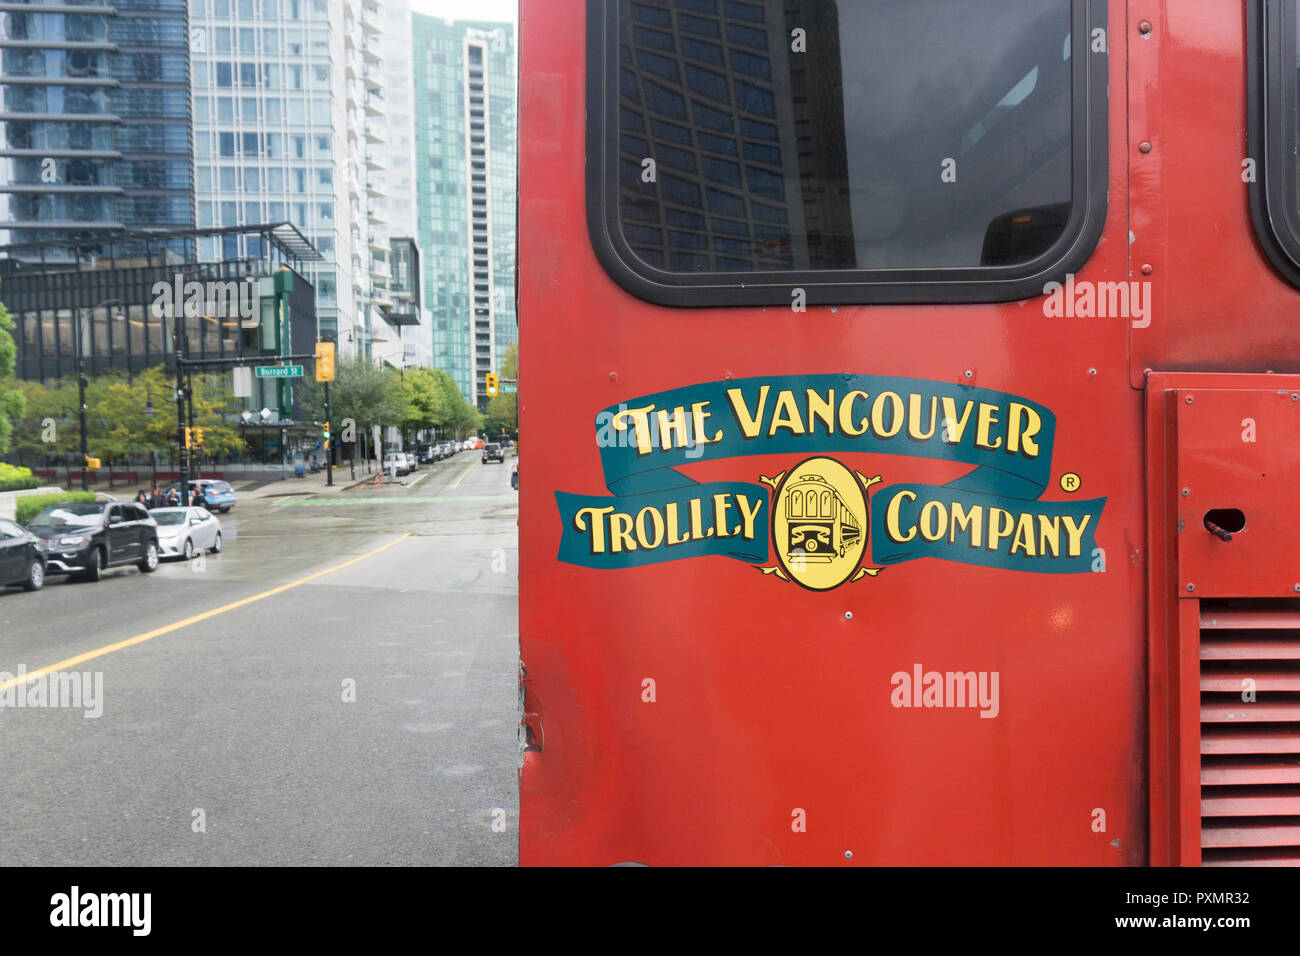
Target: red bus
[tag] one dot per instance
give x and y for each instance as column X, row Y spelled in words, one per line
column 915, row 402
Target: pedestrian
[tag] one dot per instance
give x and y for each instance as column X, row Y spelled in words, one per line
column 141, row 498
column 173, row 499
column 157, row 499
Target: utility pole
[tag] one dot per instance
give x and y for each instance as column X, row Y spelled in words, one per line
column 81, row 403
column 180, row 407
column 329, row 451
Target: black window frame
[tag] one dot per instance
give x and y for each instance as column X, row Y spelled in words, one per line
column 1273, row 200
column 1089, row 185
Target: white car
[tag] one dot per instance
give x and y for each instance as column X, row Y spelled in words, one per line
column 184, row 532
column 395, row 461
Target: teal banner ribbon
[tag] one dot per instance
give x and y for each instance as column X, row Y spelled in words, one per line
column 898, row 421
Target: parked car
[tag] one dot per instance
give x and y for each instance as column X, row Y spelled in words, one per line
column 412, row 461
column 22, row 557
column 82, row 538
column 492, row 451
column 217, row 494
column 396, row 461
column 514, row 477
column 184, row 532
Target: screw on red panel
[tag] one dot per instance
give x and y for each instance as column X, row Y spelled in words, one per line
column 848, row 854
column 1144, row 27
column 1186, row 492
column 1296, row 588
column 1189, row 399
column 1144, row 147
column 1146, row 269
column 1191, row 587
column 1295, row 397
column 848, row 615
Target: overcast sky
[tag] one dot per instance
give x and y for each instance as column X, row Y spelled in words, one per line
column 507, row 10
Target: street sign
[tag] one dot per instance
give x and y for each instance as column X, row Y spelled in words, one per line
column 508, row 387
column 243, row 381
column 278, row 371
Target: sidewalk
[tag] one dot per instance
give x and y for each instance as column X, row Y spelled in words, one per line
column 309, row 484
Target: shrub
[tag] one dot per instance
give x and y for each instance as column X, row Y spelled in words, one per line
column 29, row 506
column 14, row 478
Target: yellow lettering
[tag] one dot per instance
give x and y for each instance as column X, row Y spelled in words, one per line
column 988, row 417
column 672, row 428
column 748, row 423
column 1024, row 539
column 1048, row 525
column 640, row 422
column 720, row 508
column 954, row 427
column 846, row 411
column 670, row 517
column 891, row 517
column 786, row 415
column 747, row 515
column 970, row 522
column 914, row 416
column 1022, row 432
column 1074, row 534
column 996, row 530
column 597, row 526
column 934, row 521
column 698, row 417
column 895, row 414
column 822, row 409
column 620, row 532
column 646, row 539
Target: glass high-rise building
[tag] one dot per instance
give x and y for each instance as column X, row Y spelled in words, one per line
column 94, row 125
column 465, row 122
column 290, row 125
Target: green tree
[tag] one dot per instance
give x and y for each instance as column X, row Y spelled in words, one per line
column 502, row 410
column 362, row 395
column 12, row 403
column 425, row 401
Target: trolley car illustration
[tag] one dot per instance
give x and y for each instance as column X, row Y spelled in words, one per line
column 821, row 525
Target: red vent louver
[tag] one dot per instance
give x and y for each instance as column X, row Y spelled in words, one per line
column 1250, row 749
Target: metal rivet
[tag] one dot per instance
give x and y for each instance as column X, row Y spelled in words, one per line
column 1189, row 399
column 1144, row 27
column 848, row 615
column 1186, row 492
column 1144, row 147
column 1191, row 587
column 1092, row 371
column 968, row 373
column 1146, row 269
column 848, row 854
column 1296, row 588
column 1295, row 397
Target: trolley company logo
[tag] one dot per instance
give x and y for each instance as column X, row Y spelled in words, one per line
column 815, row 520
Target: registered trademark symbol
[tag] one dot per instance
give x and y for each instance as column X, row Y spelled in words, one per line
column 1070, row 481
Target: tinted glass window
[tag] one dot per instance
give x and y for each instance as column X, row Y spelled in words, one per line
column 1275, row 198
column 796, row 135
column 74, row 514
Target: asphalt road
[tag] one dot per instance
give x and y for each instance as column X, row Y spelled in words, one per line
column 242, row 714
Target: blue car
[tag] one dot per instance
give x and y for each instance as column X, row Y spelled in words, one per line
column 217, row 494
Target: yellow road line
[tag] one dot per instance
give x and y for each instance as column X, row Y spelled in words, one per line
column 466, row 475
column 159, row 631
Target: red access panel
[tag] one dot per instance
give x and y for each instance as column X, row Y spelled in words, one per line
column 1238, row 475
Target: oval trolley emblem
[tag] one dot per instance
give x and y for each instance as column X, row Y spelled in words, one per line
column 820, row 524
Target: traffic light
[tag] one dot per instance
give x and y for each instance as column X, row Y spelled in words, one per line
column 491, row 381
column 93, row 464
column 325, row 437
column 324, row 361
column 198, row 436
column 189, row 443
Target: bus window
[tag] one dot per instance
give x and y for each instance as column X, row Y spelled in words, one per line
column 1274, row 73
column 891, row 151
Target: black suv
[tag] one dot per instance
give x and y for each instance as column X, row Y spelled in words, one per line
column 493, row 452
column 22, row 559
column 82, row 538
